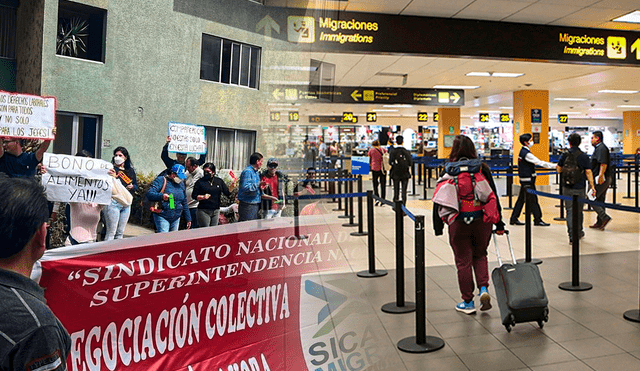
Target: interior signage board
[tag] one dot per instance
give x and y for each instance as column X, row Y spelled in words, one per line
column 359, row 95
column 483, row 117
column 372, row 117
column 563, row 119
column 504, row 117
column 324, row 30
column 330, row 119
column 423, row 117
column 536, row 116
column 436, row 117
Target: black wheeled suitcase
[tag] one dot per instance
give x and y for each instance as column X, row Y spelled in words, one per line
column 519, row 291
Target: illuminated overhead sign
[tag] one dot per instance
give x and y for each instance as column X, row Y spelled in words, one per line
column 346, row 94
column 331, row 119
column 504, row 117
column 563, row 119
column 372, row 117
column 275, row 116
column 294, row 116
column 423, row 117
column 325, row 30
column 436, row 116
column 484, row 117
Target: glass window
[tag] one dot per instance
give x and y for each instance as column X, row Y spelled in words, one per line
column 77, row 132
column 81, row 31
column 230, row 148
column 238, row 64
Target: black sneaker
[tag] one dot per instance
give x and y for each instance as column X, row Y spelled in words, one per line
column 516, row 222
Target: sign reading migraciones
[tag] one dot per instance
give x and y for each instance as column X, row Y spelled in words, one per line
column 347, row 94
column 324, row 30
column 187, row 138
column 77, row 179
column 27, row 116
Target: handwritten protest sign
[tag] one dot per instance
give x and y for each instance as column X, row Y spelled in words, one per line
column 76, row 179
column 27, row 116
column 187, row 138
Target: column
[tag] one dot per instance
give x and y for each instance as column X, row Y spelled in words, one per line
column 448, row 126
column 630, row 132
column 527, row 120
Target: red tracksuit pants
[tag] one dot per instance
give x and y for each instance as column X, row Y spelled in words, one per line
column 469, row 243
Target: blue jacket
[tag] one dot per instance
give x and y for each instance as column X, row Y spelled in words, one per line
column 249, row 191
column 179, row 197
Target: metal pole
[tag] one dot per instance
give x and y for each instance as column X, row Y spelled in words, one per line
column 399, row 306
column 575, row 284
column 421, row 343
column 413, row 180
column 346, row 201
column 510, row 186
column 527, row 229
column 360, row 232
column 351, row 222
column 561, row 200
column 636, row 177
column 339, row 208
column 371, row 243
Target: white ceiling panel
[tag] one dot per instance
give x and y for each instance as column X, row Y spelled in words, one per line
column 492, row 9
column 589, row 16
column 542, row 13
column 436, row 8
column 377, row 6
column 365, row 68
column 629, row 5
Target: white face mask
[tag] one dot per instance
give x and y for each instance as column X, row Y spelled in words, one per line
column 530, row 144
column 177, row 180
column 118, row 160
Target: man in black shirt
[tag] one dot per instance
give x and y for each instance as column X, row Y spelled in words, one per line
column 600, row 161
column 578, row 188
column 32, row 337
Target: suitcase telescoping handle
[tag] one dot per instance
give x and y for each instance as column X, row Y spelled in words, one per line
column 495, row 241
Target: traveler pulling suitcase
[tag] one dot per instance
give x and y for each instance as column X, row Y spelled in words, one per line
column 519, row 291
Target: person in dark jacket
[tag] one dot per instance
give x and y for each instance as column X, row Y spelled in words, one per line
column 273, row 189
column 401, row 165
column 207, row 192
column 470, row 241
column 527, row 163
column 601, row 169
column 174, row 199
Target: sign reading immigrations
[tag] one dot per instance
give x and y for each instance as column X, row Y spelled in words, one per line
column 187, row 138
column 77, row 179
column 232, row 299
column 325, row 30
column 346, row 94
column 27, row 116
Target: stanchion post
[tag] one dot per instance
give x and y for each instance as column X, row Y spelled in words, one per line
column 372, row 272
column 339, row 208
column 510, row 186
column 575, row 284
column 527, row 229
column 421, row 343
column 399, row 306
column 350, row 203
column 636, row 176
column 346, row 201
column 628, row 168
column 413, row 180
column 560, row 192
column 424, row 186
column 360, row 232
column 614, row 182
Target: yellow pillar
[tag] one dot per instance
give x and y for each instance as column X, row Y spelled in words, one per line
column 524, row 101
column 630, row 132
column 448, row 125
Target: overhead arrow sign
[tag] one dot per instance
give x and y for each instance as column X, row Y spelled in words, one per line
column 455, row 96
column 268, row 24
column 636, row 47
column 277, row 94
column 355, row 95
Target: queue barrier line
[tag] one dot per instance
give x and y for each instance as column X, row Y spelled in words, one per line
column 336, row 180
column 406, row 211
column 588, row 202
column 345, row 195
column 382, row 200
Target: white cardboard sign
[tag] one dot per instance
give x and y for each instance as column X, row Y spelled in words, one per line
column 187, row 138
column 27, row 116
column 77, row 179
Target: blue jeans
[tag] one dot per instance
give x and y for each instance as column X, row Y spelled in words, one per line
column 163, row 225
column 247, row 211
column 116, row 217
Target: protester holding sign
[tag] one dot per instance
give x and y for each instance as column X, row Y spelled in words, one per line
column 170, row 190
column 16, row 163
column 32, row 337
column 181, row 157
column 116, row 214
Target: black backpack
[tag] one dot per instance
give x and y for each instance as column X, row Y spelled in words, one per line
column 571, row 172
column 401, row 162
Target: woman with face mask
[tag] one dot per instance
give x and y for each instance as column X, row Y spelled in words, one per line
column 207, row 191
column 116, row 215
column 527, row 163
column 170, row 190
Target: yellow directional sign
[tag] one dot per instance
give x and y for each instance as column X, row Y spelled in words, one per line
column 294, row 116
column 455, row 97
column 268, row 24
column 355, row 95
column 277, row 94
column 635, row 47
column 372, row 117
column 484, row 117
column 423, row 117
column 275, row 116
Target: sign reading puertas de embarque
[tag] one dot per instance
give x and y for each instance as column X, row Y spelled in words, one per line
column 27, row 116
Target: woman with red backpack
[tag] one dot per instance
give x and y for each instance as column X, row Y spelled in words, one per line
column 466, row 199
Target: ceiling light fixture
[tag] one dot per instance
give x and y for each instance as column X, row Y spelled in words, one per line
column 618, row 91
column 479, row 74
column 385, row 110
column 397, row 106
column 633, row 17
column 628, row 106
column 505, row 107
column 495, row 74
column 460, row 87
column 600, row 109
column 571, row 99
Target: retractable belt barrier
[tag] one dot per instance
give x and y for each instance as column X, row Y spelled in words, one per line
column 345, row 195
column 586, row 201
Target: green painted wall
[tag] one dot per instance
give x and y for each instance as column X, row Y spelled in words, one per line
column 151, row 75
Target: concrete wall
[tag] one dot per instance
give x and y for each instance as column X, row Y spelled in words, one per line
column 151, row 75
column 29, row 26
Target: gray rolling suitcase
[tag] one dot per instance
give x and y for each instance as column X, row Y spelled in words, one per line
column 519, row 291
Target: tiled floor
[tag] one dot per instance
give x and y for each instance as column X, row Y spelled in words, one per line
column 586, row 330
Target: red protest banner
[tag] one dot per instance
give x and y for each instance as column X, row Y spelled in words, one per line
column 215, row 298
